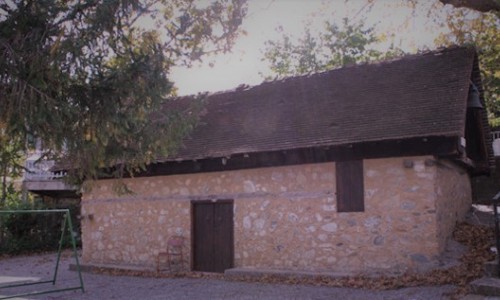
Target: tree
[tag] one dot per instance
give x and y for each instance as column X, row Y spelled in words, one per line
column 479, row 5
column 483, row 31
column 90, row 78
column 353, row 43
column 337, row 46
column 11, row 165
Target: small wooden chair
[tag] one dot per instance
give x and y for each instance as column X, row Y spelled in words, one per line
column 173, row 253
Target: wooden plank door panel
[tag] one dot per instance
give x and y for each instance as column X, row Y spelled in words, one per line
column 213, row 237
column 223, row 236
column 203, row 219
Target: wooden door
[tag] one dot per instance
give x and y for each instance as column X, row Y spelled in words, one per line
column 213, row 242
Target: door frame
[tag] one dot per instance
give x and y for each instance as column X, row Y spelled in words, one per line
column 212, row 201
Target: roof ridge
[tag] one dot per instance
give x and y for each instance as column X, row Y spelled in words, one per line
column 408, row 57
column 363, row 100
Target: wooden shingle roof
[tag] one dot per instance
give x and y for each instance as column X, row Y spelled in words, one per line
column 417, row 96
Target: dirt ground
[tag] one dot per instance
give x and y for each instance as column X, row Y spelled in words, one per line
column 101, row 286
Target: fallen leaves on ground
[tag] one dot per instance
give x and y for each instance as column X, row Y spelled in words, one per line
column 478, row 240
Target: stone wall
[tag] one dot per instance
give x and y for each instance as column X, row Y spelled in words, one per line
column 284, row 217
column 453, row 198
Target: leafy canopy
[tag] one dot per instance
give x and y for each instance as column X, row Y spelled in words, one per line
column 483, row 31
column 11, row 166
column 353, row 43
column 86, row 76
column 336, row 46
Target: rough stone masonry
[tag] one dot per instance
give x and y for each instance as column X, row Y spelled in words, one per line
column 285, row 218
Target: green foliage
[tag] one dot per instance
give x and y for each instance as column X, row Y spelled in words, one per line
column 34, row 232
column 90, row 78
column 337, row 46
column 483, row 31
column 495, row 123
column 11, row 165
column 10, row 196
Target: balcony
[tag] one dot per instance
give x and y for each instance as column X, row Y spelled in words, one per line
column 39, row 179
column 40, row 171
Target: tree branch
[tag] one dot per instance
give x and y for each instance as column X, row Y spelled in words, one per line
column 478, row 5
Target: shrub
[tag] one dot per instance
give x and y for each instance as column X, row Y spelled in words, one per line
column 34, row 232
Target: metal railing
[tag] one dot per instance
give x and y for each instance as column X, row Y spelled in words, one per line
column 495, row 135
column 40, row 170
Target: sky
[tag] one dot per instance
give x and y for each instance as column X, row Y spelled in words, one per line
column 407, row 27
